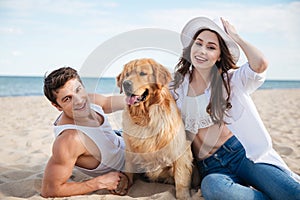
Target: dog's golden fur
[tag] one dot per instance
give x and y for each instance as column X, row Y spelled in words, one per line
column 152, row 126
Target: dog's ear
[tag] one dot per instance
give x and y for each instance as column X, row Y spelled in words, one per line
column 119, row 79
column 163, row 76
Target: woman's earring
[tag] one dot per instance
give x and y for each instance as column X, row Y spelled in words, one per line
column 191, row 67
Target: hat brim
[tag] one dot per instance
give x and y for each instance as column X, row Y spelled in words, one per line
column 199, row 23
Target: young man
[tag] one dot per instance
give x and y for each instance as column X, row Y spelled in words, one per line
column 84, row 138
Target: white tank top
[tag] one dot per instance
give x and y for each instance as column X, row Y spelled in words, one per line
column 110, row 145
column 194, row 113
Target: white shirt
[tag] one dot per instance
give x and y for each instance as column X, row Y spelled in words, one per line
column 194, row 115
column 244, row 120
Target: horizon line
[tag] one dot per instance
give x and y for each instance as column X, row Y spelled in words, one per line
column 41, row 76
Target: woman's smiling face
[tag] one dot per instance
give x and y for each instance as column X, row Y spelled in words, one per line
column 205, row 51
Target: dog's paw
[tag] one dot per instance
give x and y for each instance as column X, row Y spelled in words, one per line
column 123, row 187
column 183, row 194
column 197, row 195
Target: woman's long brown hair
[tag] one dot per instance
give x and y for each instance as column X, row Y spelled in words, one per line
column 218, row 102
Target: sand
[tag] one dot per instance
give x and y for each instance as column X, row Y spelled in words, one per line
column 26, row 139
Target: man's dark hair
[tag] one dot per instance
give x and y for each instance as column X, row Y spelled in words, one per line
column 58, row 79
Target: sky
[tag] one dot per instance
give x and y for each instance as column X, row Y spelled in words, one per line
column 98, row 37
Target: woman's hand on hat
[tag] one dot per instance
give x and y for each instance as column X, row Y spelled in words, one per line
column 230, row 29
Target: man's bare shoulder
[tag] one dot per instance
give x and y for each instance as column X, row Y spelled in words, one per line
column 68, row 144
column 67, row 136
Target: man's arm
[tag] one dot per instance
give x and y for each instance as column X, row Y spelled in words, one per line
column 66, row 149
column 109, row 104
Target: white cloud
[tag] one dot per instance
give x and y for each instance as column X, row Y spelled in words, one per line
column 76, row 27
column 66, row 7
column 11, row 31
column 110, row 4
column 17, row 53
column 5, row 62
column 282, row 18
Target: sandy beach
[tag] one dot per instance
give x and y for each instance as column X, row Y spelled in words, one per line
column 27, row 136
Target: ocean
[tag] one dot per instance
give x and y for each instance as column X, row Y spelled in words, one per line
column 33, row 86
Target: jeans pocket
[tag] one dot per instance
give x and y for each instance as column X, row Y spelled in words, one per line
column 235, row 146
column 209, row 166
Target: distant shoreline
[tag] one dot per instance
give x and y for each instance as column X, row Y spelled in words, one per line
column 112, row 77
column 107, row 94
column 33, row 86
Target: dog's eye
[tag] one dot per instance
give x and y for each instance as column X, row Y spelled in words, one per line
column 143, row 74
column 127, row 74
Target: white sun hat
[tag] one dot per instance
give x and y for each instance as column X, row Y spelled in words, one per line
column 199, row 23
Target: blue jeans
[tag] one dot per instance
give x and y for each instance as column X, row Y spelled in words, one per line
column 228, row 174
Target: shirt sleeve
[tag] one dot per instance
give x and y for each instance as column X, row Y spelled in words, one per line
column 247, row 79
column 180, row 92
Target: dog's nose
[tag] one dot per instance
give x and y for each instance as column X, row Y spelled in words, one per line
column 127, row 85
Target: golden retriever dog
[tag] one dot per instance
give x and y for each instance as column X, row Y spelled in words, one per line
column 153, row 130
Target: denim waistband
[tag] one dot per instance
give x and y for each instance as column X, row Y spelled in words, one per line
column 224, row 149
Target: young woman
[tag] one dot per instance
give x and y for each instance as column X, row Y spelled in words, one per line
column 230, row 143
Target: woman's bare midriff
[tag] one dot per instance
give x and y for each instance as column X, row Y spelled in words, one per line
column 208, row 140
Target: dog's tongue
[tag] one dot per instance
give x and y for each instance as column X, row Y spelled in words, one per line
column 131, row 100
